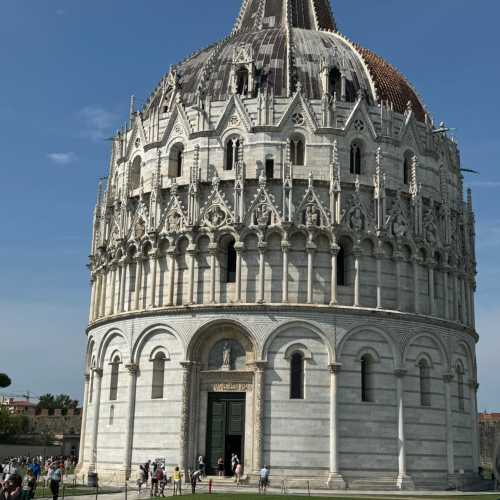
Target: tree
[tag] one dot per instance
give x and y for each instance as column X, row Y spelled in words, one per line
column 11, row 426
column 59, row 402
column 46, row 402
column 5, row 380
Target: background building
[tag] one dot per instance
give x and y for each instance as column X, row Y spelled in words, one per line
column 283, row 266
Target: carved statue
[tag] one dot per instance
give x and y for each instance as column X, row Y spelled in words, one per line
column 226, row 357
column 356, row 220
column 399, row 227
column 312, row 216
column 139, row 229
column 263, row 213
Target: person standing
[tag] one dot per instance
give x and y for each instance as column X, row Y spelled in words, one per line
column 201, row 465
column 195, row 477
column 263, row 479
column 55, row 480
column 28, row 486
column 234, row 462
column 238, row 472
column 220, row 467
column 177, row 479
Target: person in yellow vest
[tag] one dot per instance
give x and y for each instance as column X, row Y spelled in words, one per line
column 177, row 479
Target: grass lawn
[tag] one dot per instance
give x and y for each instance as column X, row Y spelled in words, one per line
column 253, row 496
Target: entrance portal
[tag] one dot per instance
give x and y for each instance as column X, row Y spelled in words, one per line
column 225, row 429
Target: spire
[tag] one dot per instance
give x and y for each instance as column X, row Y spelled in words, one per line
column 305, row 14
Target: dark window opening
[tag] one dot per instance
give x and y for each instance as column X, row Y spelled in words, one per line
column 165, row 109
column 242, row 81
column 460, row 388
column 113, row 386
column 297, row 376
column 406, row 171
column 231, row 264
column 176, row 161
column 158, row 376
column 367, row 379
column 355, row 160
column 179, row 163
column 425, row 383
column 297, row 152
column 335, row 83
column 350, row 91
column 269, row 169
column 232, row 153
column 341, row 281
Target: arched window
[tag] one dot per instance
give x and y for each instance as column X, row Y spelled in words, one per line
column 135, row 173
column 297, row 150
column 355, row 159
column 335, row 83
column 242, row 81
column 460, row 387
column 407, row 162
column 425, row 382
column 231, row 263
column 176, row 160
column 269, row 168
column 297, row 376
column 341, row 267
column 233, row 146
column 113, row 386
column 158, row 376
column 367, row 376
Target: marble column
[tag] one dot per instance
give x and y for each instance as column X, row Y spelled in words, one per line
column 130, row 419
column 262, row 269
column 357, row 256
column 333, row 284
column 446, row 293
column 310, row 248
column 404, row 481
column 212, row 250
column 153, row 271
column 138, row 282
column 416, row 288
column 455, row 296
column 102, row 307
column 191, row 251
column 450, row 451
column 238, row 247
column 83, row 432
column 398, row 258
column 111, row 306
column 185, row 414
column 259, row 410
column 432, row 297
column 93, row 285
column 473, row 387
column 124, row 278
column 465, row 313
column 379, row 256
column 285, row 247
column 335, row 479
column 95, row 419
column 171, row 252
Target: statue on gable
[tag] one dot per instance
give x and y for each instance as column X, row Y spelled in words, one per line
column 430, row 229
column 312, row 216
column 226, row 356
column 215, row 216
column 356, row 221
column 139, row 229
column 174, row 220
column 399, row 226
column 263, row 215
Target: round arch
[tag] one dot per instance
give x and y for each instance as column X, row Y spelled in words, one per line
column 149, row 332
column 369, row 328
column 311, row 327
column 435, row 338
column 106, row 340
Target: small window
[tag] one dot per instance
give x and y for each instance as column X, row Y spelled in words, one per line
column 355, row 159
column 269, row 169
column 425, row 383
column 232, row 153
column 165, row 109
column 176, row 160
column 341, row 278
column 407, row 168
column 231, row 263
column 460, row 388
column 113, row 386
column 335, row 83
column 242, row 81
column 158, row 376
column 367, row 376
column 297, row 151
column 135, row 173
column 297, row 376
column 111, row 414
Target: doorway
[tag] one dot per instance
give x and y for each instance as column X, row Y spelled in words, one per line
column 225, row 429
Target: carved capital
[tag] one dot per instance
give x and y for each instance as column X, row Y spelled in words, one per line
column 97, row 371
column 132, row 368
column 448, row 377
column 259, row 365
column 335, row 367
column 400, row 372
column 239, row 246
column 262, row 246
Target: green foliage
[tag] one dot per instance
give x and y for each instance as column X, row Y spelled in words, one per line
column 59, row 402
column 12, row 426
column 5, row 380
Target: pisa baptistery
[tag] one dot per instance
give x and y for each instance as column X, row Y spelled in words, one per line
column 283, row 267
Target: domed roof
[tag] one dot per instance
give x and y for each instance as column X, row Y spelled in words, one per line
column 288, row 42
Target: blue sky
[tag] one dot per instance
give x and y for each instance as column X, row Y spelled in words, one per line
column 67, row 71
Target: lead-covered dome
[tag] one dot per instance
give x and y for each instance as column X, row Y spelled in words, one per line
column 277, row 45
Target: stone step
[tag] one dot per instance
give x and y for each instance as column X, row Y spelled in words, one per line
column 383, row 483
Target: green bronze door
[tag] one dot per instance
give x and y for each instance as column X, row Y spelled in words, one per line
column 225, row 429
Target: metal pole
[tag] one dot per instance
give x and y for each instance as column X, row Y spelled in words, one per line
column 126, row 491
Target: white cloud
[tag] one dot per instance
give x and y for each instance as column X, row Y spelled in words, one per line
column 98, row 122
column 62, row 158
